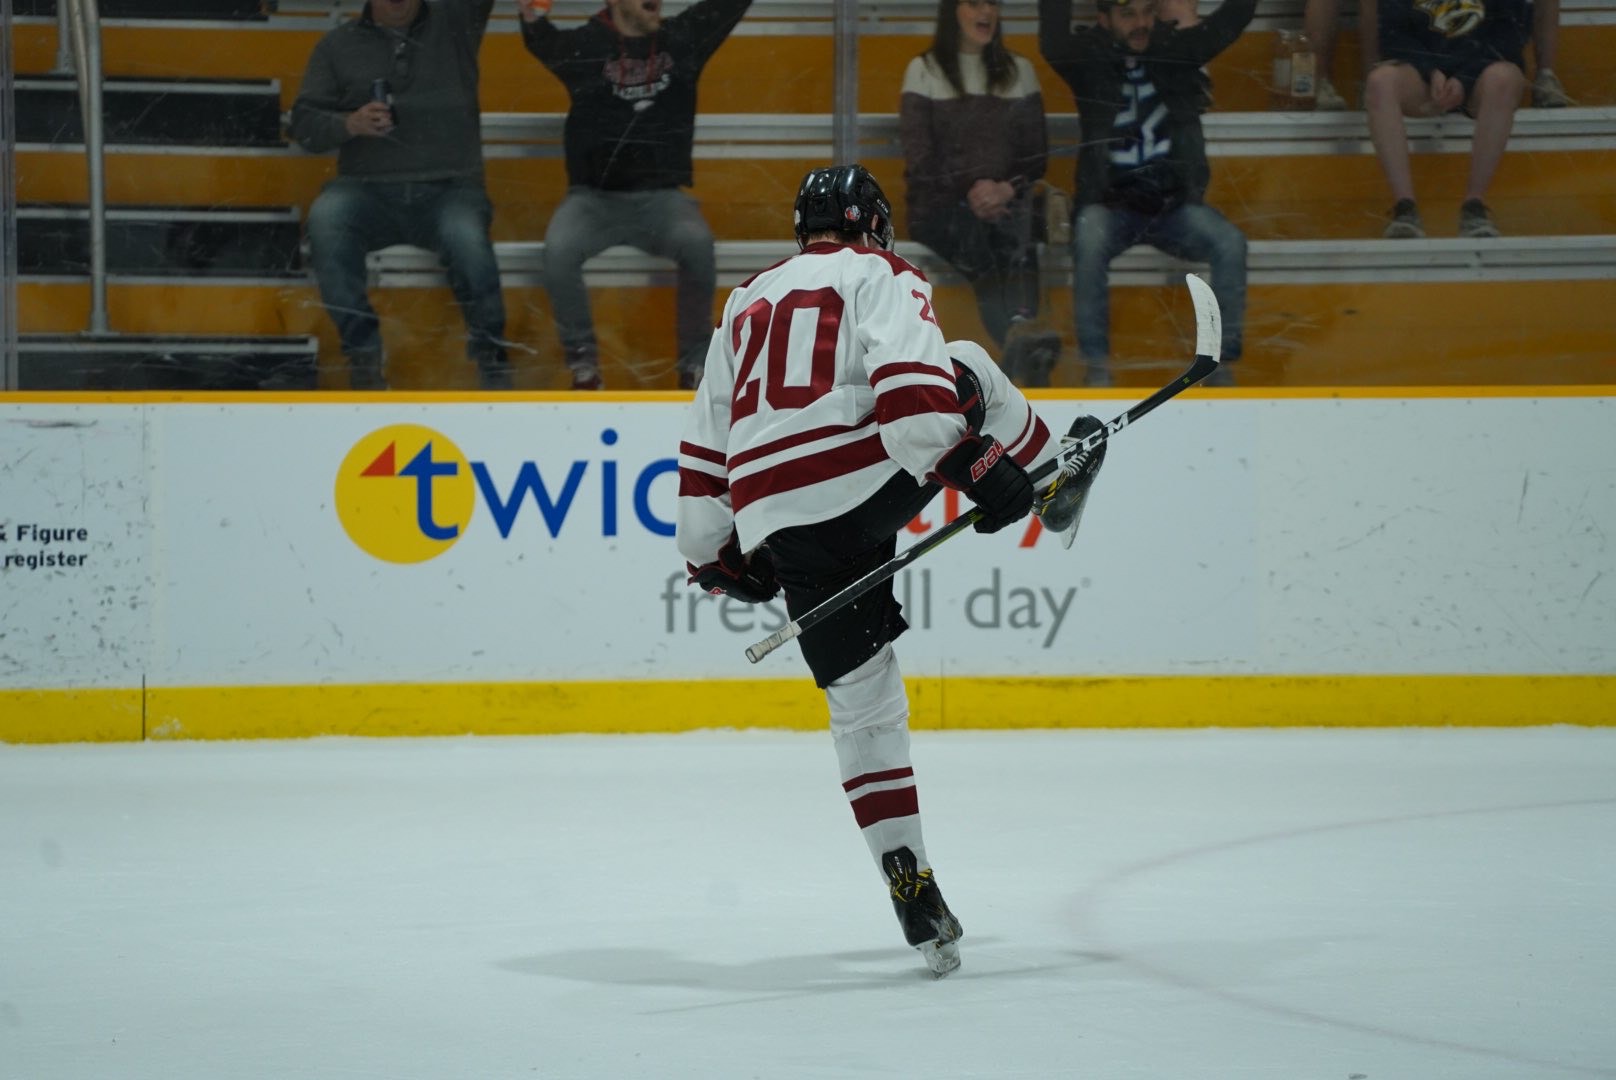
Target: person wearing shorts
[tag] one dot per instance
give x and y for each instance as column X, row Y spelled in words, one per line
column 1440, row 58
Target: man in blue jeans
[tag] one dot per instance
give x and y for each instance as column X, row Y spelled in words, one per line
column 394, row 92
column 1142, row 171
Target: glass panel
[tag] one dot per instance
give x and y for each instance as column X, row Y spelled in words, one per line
column 212, row 199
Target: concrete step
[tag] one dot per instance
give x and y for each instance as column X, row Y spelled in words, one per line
column 166, row 362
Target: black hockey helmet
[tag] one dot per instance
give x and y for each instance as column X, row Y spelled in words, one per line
column 844, row 199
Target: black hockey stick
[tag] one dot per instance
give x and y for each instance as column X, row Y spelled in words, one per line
column 1208, row 345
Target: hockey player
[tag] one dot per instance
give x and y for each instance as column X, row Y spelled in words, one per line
column 831, row 412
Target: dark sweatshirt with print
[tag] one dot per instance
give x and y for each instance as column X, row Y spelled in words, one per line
column 1091, row 62
column 632, row 121
column 1453, row 37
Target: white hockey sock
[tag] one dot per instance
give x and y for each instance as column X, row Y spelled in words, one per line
column 869, row 723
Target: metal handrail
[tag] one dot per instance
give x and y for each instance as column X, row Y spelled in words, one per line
column 84, row 24
column 844, row 136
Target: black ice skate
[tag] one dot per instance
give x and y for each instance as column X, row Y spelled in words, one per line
column 927, row 923
column 1061, row 508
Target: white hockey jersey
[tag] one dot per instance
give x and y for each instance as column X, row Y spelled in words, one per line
column 827, row 376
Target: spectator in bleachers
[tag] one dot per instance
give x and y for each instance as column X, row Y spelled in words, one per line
column 1142, row 170
column 631, row 77
column 971, row 119
column 1466, row 56
column 1321, row 19
column 1547, row 93
column 394, row 92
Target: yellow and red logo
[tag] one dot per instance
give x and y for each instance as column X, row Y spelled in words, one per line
column 405, row 493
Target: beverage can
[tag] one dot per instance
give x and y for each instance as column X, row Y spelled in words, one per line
column 381, row 90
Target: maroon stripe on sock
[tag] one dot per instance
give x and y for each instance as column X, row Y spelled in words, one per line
column 882, row 805
column 877, row 777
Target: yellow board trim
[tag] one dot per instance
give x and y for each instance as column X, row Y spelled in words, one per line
column 284, row 712
column 51, row 716
column 571, row 397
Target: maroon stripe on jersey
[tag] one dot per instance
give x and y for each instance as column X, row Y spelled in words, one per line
column 880, row 806
column 897, row 263
column 889, row 371
column 701, row 453
column 877, row 777
column 796, row 440
column 700, row 484
column 804, row 471
column 1040, row 436
column 902, row 401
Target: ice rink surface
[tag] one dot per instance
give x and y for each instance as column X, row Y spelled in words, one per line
column 1294, row 905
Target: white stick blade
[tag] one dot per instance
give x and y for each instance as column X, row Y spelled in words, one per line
column 1208, row 319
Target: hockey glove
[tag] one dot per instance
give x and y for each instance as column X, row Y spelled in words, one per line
column 990, row 478
column 749, row 580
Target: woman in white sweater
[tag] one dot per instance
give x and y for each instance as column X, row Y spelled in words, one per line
column 974, row 143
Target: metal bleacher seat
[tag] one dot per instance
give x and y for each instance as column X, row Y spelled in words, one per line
column 752, row 136
column 1292, row 262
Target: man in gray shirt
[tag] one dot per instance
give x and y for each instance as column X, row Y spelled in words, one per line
column 394, row 92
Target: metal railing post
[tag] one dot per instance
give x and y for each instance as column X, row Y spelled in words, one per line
column 844, row 128
column 64, row 40
column 86, row 20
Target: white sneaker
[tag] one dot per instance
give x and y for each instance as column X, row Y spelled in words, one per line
column 1327, row 99
column 1547, row 93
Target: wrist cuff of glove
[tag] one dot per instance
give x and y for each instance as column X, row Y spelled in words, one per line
column 963, row 467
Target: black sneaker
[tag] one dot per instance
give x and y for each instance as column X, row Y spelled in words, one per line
column 584, row 363
column 494, row 371
column 927, row 923
column 365, row 371
column 1475, row 220
column 1061, row 507
column 1405, row 222
column 1030, row 352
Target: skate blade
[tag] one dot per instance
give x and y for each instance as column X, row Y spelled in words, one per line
column 1068, row 535
column 942, row 958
